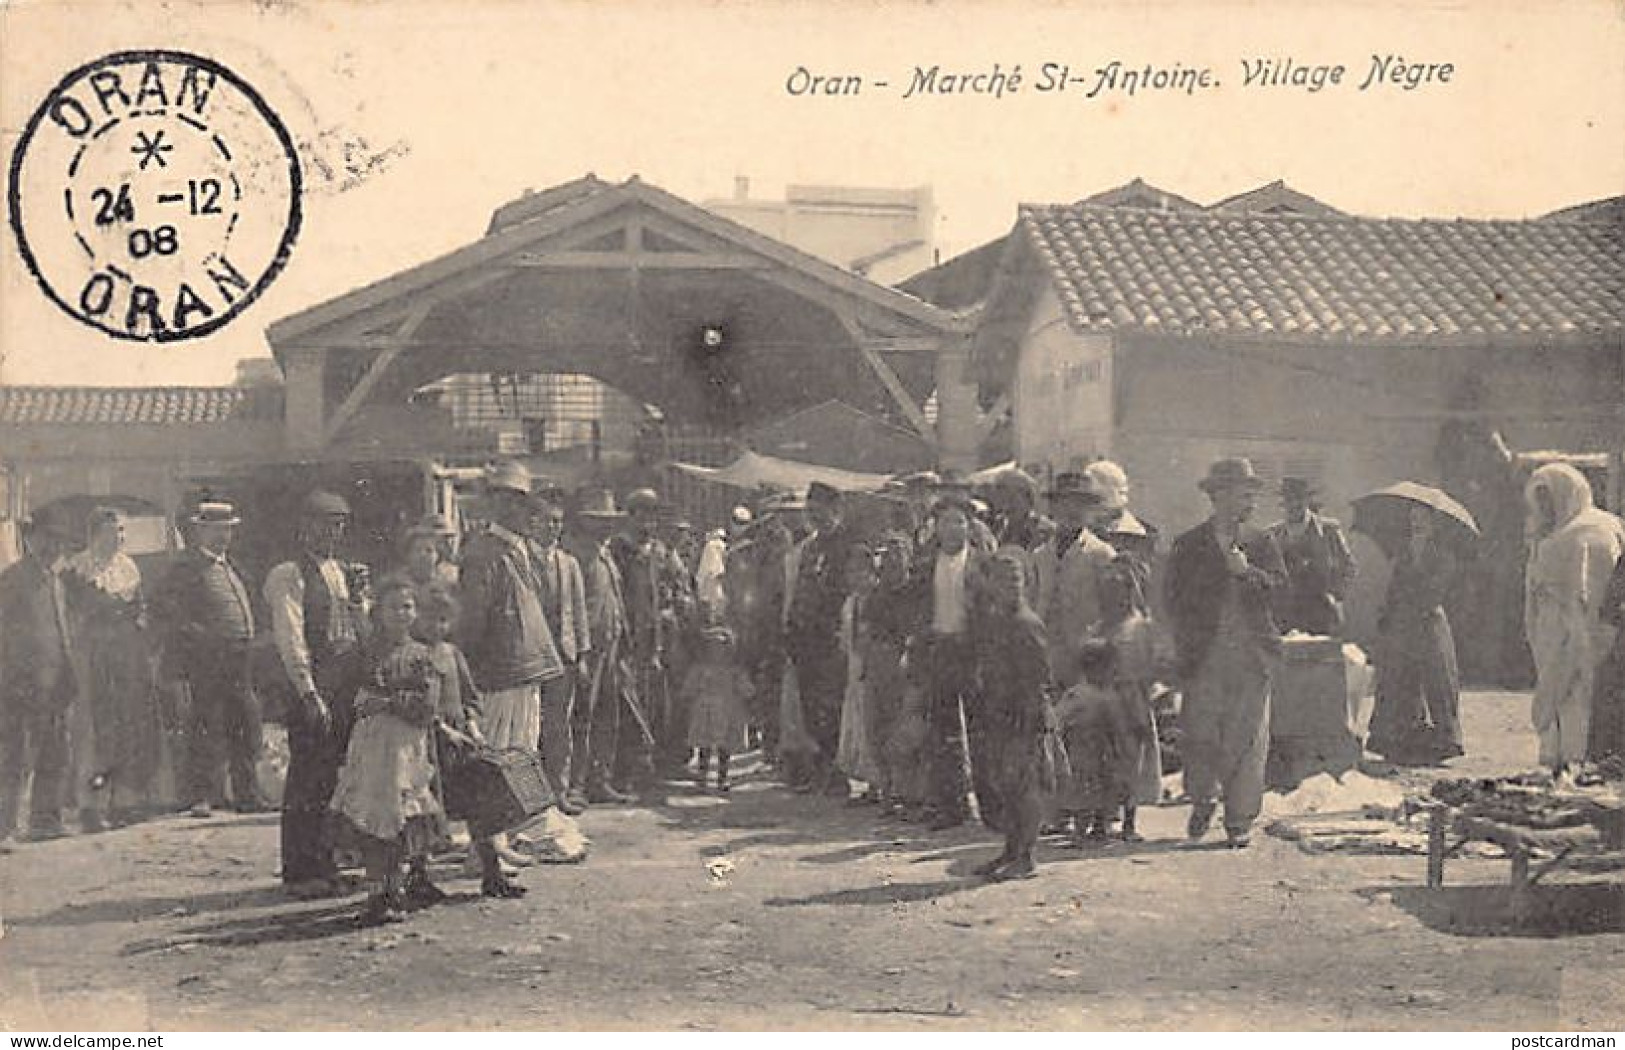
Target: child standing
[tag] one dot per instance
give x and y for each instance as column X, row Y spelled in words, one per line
column 717, row 694
column 1013, row 668
column 385, row 789
column 458, row 717
column 1107, row 720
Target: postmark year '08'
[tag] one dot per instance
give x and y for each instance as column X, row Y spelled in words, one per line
column 154, row 195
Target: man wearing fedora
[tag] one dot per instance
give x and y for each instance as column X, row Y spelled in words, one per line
column 601, row 693
column 1221, row 577
column 1069, row 568
column 37, row 686
column 656, row 591
column 206, row 615
column 1319, row 564
column 318, row 620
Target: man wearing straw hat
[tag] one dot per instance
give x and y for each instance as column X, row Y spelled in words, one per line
column 207, row 616
column 1220, row 578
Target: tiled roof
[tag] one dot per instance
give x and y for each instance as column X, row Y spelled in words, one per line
column 1609, row 209
column 152, row 406
column 1328, row 278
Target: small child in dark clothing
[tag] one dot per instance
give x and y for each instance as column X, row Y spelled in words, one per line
column 1107, row 721
column 1013, row 667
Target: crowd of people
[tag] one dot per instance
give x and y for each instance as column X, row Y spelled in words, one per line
column 960, row 655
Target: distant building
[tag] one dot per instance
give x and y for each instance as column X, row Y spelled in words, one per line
column 882, row 234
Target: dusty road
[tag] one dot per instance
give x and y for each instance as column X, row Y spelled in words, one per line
column 767, row 910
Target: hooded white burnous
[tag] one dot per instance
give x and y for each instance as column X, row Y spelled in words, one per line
column 1571, row 559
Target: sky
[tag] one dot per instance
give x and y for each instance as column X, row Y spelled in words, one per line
column 447, row 110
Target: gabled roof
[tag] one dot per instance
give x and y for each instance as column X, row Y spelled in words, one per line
column 1138, row 193
column 535, row 205
column 128, row 406
column 1275, row 198
column 518, row 224
column 1327, row 278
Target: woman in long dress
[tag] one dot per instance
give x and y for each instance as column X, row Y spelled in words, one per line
column 1416, row 719
column 1574, row 550
column 120, row 759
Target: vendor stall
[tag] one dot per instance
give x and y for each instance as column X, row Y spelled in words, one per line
column 1543, row 824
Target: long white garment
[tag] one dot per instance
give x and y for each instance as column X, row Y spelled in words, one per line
column 1564, row 584
column 512, row 717
column 708, row 578
column 854, row 756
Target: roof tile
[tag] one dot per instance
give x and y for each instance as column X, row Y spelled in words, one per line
column 123, row 406
column 1328, row 276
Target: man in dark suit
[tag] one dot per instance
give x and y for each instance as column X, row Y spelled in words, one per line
column 37, row 685
column 1220, row 578
column 812, row 633
column 1319, row 564
column 207, row 615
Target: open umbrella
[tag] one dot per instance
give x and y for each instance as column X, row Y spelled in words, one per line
column 1385, row 515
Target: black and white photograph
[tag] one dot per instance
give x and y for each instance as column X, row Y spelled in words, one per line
column 671, row 516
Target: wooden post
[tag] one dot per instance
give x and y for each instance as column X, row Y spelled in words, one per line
column 1521, row 889
column 305, row 414
column 958, row 432
column 1438, row 819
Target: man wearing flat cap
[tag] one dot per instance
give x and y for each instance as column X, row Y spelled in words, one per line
column 206, row 616
column 318, row 619
column 1319, row 564
column 1221, row 576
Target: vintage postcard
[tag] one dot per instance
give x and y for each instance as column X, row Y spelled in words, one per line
column 674, row 515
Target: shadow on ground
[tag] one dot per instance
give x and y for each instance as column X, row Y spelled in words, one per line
column 1560, row 909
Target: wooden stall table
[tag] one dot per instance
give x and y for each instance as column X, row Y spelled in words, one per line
column 1597, row 845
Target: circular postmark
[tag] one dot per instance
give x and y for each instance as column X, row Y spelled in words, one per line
column 154, row 195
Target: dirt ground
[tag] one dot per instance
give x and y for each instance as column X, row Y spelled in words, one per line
column 770, row 910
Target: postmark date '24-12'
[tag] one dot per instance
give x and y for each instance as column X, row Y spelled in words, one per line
column 154, row 195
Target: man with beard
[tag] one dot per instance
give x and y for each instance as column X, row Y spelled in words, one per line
column 318, row 617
